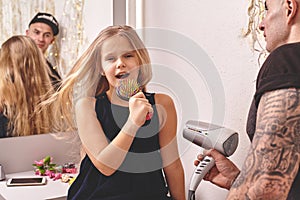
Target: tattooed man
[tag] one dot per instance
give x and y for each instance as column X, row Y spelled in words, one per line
column 271, row 168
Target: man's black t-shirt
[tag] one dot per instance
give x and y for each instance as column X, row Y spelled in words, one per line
column 280, row 70
column 54, row 76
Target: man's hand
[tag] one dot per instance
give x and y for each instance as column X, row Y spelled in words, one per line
column 223, row 173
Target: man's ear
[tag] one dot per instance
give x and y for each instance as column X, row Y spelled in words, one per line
column 292, row 9
column 53, row 40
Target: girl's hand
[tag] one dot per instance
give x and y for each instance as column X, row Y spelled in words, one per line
column 139, row 107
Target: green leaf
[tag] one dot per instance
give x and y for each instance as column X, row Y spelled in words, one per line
column 47, row 159
column 42, row 171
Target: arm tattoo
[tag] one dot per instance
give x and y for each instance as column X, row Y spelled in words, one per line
column 273, row 159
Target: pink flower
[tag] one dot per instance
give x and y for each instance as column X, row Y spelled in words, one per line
column 57, row 176
column 50, row 173
column 39, row 163
column 37, row 172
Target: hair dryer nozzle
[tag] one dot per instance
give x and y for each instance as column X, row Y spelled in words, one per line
column 210, row 136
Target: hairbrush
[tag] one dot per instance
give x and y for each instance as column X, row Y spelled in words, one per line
column 127, row 88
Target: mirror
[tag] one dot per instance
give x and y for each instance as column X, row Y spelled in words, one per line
column 106, row 13
column 19, row 153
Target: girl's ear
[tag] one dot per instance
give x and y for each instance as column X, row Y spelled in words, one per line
column 292, row 8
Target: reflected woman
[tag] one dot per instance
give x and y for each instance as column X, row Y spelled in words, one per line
column 24, row 83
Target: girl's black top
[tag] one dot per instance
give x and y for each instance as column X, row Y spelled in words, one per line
column 140, row 176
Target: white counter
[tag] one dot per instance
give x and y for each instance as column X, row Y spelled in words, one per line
column 52, row 190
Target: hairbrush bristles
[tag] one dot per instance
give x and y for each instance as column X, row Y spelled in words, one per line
column 127, row 88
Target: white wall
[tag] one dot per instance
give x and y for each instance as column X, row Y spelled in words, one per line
column 97, row 14
column 227, row 66
column 216, row 27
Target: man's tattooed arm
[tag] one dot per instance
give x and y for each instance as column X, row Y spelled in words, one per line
column 273, row 159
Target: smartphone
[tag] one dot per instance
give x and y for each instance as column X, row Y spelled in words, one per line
column 29, row 181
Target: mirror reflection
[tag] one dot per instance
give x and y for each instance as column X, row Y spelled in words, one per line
column 25, row 83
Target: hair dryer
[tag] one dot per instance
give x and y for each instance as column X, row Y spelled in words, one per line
column 208, row 136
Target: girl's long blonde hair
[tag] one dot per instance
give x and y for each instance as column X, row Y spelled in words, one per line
column 24, row 84
column 85, row 79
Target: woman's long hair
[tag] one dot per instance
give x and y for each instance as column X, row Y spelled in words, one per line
column 24, row 83
column 85, row 79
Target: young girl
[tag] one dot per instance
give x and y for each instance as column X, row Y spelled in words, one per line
column 124, row 155
column 24, row 83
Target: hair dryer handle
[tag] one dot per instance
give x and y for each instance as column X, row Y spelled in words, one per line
column 201, row 170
